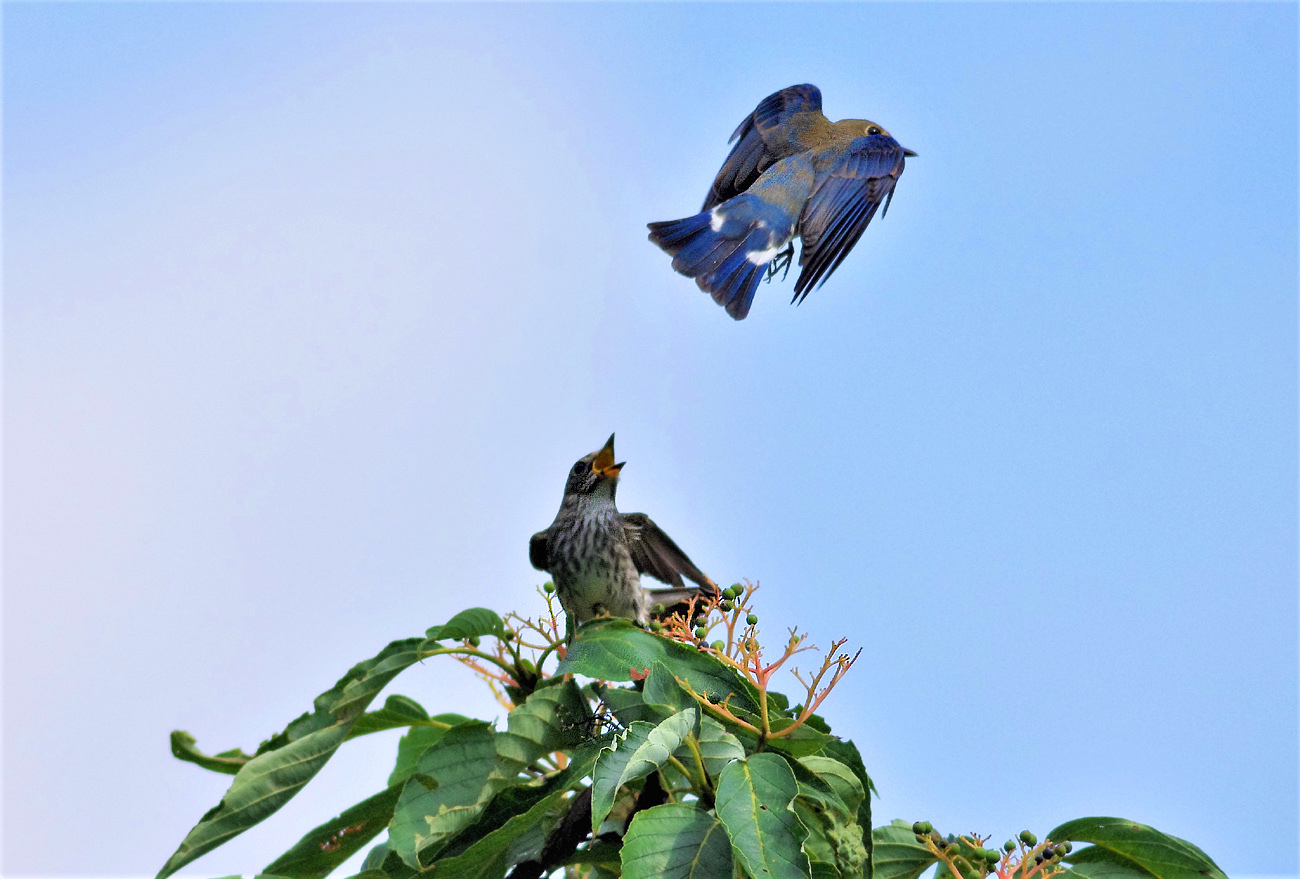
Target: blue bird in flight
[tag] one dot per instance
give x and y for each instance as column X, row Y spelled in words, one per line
column 792, row 174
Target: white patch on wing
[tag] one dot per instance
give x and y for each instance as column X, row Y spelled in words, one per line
column 716, row 218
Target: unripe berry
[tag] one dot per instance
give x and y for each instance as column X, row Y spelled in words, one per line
column 1066, row 847
column 656, row 626
column 752, row 619
column 1009, row 846
column 725, row 606
column 1028, row 838
column 700, row 632
column 718, row 646
column 548, row 587
column 473, row 641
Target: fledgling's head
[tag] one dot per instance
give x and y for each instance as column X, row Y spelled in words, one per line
column 595, row 473
column 866, row 128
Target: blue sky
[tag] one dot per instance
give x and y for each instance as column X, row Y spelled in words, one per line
column 309, row 308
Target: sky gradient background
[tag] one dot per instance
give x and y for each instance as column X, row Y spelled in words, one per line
column 309, row 308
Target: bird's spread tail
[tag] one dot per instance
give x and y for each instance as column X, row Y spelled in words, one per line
column 726, row 249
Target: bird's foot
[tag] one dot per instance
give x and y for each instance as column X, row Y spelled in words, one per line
column 781, row 263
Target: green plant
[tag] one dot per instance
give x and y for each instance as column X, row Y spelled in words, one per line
column 675, row 759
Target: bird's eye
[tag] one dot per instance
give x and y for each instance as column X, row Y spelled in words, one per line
column 873, row 130
column 579, row 468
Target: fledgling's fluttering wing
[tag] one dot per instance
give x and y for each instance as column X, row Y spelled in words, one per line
column 654, row 553
column 539, row 550
column 760, row 141
column 845, row 197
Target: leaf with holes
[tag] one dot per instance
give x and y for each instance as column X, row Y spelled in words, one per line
column 325, row 847
column 445, row 794
column 754, row 803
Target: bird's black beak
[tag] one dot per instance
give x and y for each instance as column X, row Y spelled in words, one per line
column 603, row 463
column 909, row 153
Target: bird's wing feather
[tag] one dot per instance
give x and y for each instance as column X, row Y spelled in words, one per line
column 654, row 553
column 752, row 154
column 845, row 197
column 539, row 550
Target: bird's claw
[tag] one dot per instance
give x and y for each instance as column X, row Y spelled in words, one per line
column 781, row 263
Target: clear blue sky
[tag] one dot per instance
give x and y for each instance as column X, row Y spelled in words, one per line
column 309, row 308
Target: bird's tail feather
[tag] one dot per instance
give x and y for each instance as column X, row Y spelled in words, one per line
column 718, row 262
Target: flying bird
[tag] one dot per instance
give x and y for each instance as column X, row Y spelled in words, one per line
column 792, row 174
column 596, row 555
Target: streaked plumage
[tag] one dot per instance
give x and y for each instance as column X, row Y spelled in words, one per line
column 596, row 555
column 792, row 174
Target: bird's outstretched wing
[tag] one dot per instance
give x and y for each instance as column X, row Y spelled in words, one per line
column 654, row 553
column 850, row 187
column 539, row 550
column 762, row 140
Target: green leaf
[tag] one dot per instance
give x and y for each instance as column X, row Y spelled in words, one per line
column 803, row 741
column 325, row 847
column 717, row 746
column 489, row 857
column 445, row 794
column 397, row 711
column 635, row 754
column 227, row 762
column 517, row 799
column 827, row 806
column 473, row 623
column 628, row 705
column 754, row 803
column 676, row 841
column 897, row 854
column 552, row 718
column 1094, row 862
column 661, row 688
column 846, row 752
column 287, row 761
column 841, row 779
column 610, row 649
column 417, row 741
column 1140, row 846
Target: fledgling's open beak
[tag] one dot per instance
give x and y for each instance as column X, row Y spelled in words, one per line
column 604, row 461
column 909, row 153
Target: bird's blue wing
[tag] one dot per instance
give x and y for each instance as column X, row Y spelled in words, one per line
column 753, row 151
column 851, row 185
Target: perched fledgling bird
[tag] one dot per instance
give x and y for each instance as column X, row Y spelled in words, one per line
column 792, row 174
column 596, row 555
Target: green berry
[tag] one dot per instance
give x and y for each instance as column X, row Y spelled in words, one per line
column 658, row 609
column 725, row 606
column 701, row 632
column 1066, row 847
column 1009, row 846
column 548, row 587
column 919, row 828
column 473, row 641
column 656, row 626
column 718, row 646
column 752, row 619
column 1028, row 838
